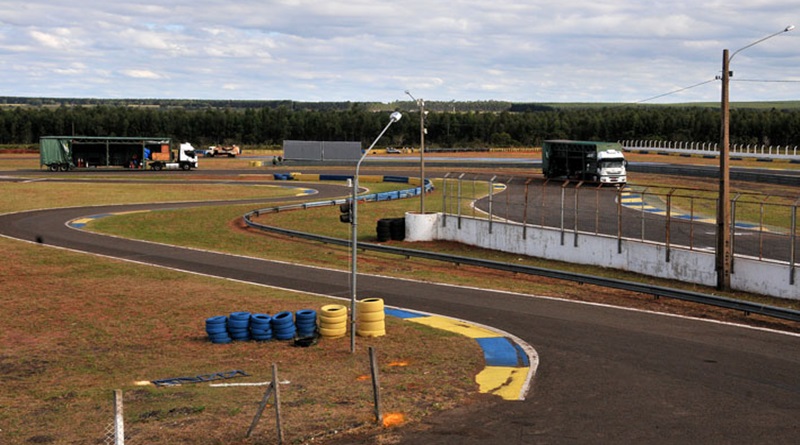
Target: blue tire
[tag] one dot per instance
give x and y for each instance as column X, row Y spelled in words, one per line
column 216, row 320
column 305, row 315
column 240, row 315
column 216, row 329
column 260, row 320
column 282, row 319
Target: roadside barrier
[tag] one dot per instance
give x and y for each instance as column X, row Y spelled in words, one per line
column 239, row 326
column 261, row 327
column 333, row 321
column 217, row 329
column 370, row 318
column 283, row 326
column 305, row 322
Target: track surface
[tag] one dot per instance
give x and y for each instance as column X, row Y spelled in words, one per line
column 606, row 375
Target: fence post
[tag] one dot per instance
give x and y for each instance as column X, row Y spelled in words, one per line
column 792, row 246
column 119, row 422
column 575, row 214
column 272, row 387
column 376, row 387
column 491, row 198
column 459, row 198
column 276, row 384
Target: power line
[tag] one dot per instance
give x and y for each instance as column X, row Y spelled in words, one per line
column 677, row 91
column 765, row 80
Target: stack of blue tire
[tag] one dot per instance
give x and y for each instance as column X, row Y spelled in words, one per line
column 239, row 326
column 283, row 326
column 305, row 322
column 217, row 329
column 244, row 326
column 261, row 327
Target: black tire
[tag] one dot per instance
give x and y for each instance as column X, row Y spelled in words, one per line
column 156, row 167
column 52, row 167
column 185, row 166
column 384, row 229
column 398, row 229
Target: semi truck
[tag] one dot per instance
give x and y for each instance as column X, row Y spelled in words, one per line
column 64, row 153
column 602, row 162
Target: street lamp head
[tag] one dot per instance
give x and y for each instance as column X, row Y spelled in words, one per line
column 394, row 117
column 789, row 28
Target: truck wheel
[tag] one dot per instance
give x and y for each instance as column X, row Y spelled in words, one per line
column 52, row 167
column 63, row 167
column 186, row 167
column 156, row 167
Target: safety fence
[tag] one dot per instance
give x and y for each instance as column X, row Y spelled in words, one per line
column 711, row 149
column 763, row 227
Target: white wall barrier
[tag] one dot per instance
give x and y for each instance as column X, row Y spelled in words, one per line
column 692, row 266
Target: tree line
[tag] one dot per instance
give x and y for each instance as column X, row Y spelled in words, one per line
column 449, row 125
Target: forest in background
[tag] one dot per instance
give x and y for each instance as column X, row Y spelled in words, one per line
column 449, row 124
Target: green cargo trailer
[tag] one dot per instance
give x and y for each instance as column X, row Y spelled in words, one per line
column 602, row 162
column 63, row 153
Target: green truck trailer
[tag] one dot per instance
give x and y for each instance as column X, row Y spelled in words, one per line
column 64, row 153
column 602, row 162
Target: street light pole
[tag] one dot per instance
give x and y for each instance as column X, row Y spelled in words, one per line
column 724, row 255
column 421, row 103
column 394, row 117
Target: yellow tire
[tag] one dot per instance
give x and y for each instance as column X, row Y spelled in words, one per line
column 362, row 333
column 325, row 319
column 370, row 316
column 371, row 326
column 370, row 305
column 339, row 325
column 332, row 333
column 333, row 310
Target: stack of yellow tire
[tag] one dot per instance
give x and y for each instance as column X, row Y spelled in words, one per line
column 333, row 321
column 370, row 318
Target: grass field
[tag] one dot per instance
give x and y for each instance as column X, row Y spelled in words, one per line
column 77, row 327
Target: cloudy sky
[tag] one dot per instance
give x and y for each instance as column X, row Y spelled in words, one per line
column 374, row 50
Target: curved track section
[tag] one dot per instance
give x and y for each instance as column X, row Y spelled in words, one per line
column 607, row 375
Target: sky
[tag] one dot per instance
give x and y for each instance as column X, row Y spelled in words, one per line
column 622, row 51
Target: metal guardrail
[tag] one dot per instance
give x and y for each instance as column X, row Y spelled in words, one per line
column 658, row 291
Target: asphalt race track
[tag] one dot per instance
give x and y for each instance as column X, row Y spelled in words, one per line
column 606, row 375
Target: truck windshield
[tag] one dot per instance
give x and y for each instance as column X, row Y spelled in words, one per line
column 612, row 163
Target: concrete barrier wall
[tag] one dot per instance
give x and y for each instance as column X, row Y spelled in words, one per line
column 691, row 266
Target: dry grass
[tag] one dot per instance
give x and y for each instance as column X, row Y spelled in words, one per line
column 76, row 327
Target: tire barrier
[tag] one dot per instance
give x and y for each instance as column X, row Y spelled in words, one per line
column 333, row 321
column 384, row 230
column 370, row 318
column 398, row 229
column 261, row 327
column 217, row 329
column 391, row 228
column 303, row 325
column 305, row 322
column 283, row 326
column 239, row 326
